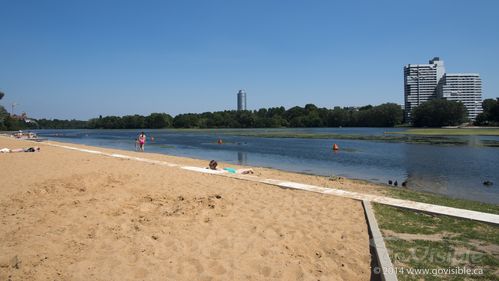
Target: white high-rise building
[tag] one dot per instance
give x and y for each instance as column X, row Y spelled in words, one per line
column 420, row 83
column 423, row 82
column 465, row 88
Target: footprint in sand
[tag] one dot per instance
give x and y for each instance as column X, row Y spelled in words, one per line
column 140, row 273
column 190, row 265
column 216, row 268
column 264, row 252
column 266, row 271
column 147, row 207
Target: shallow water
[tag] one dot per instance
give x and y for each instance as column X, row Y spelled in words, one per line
column 454, row 170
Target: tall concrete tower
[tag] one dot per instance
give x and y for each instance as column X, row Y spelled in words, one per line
column 241, row 100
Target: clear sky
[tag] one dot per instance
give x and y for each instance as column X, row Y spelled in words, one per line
column 81, row 59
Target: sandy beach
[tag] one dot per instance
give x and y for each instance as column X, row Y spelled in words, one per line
column 70, row 215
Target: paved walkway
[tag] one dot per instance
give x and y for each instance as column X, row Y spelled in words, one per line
column 430, row 208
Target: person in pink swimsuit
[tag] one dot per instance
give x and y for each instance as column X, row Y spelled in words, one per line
column 142, row 141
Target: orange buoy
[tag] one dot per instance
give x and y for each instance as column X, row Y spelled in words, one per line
column 219, row 141
column 336, row 147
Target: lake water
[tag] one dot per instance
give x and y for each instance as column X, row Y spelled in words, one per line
column 456, row 171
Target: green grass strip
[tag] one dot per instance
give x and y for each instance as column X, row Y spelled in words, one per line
column 441, row 200
column 418, row 240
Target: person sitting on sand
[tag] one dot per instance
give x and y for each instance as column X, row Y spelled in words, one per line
column 29, row 149
column 213, row 166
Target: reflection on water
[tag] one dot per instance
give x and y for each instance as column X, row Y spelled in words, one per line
column 456, row 171
column 242, row 158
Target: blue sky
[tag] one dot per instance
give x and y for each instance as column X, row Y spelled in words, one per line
column 81, row 59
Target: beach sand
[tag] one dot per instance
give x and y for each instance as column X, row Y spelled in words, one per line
column 70, row 215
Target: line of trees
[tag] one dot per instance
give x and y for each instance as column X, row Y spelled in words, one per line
column 61, row 124
column 434, row 113
column 153, row 121
column 385, row 115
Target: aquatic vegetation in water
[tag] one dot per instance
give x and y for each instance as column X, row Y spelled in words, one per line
column 450, row 132
column 419, row 139
column 165, row 146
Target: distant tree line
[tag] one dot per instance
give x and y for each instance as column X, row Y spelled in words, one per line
column 60, row 124
column 490, row 115
column 153, row 121
column 385, row 115
column 434, row 113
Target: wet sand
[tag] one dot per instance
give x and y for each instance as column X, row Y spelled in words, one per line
column 70, row 215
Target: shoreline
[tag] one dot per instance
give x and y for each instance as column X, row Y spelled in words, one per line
column 454, row 185
column 338, row 182
column 80, row 216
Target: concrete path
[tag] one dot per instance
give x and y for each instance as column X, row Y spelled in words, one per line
column 430, row 208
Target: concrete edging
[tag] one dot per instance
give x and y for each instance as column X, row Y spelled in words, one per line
column 385, row 265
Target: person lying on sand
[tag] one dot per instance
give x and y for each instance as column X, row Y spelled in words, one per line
column 213, row 166
column 29, row 149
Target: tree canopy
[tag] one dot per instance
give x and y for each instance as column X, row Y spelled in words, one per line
column 4, row 114
column 438, row 113
column 385, row 115
column 490, row 115
column 153, row 121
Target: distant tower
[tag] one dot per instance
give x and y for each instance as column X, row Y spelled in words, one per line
column 241, row 100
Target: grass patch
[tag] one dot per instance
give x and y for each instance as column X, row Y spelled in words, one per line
column 451, row 132
column 441, row 200
column 458, row 243
column 407, row 221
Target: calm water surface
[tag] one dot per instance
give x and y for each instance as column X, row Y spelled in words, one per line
column 455, row 171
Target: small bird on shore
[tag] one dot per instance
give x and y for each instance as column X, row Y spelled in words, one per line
column 395, row 183
column 390, row 182
column 404, row 183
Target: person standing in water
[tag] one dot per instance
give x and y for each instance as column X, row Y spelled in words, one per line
column 142, row 141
